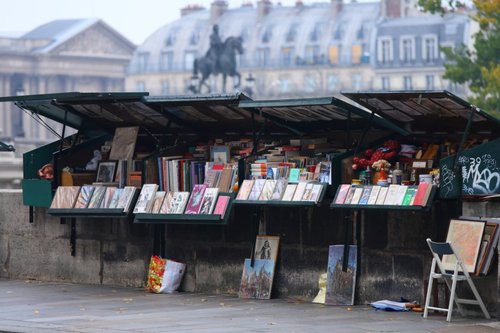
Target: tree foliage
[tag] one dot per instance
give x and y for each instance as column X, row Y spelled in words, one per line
column 478, row 68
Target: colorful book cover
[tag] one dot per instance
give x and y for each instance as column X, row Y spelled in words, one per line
column 365, row 196
column 316, row 192
column 195, row 200
column 381, row 196
column 299, row 191
column 157, row 202
column 425, row 201
column 279, row 189
column 409, row 196
column 420, row 195
column 342, row 193
column 126, row 197
column 356, row 196
column 221, row 205
column 289, row 192
column 350, row 194
column 65, row 197
column 307, row 192
column 294, row 175
column 246, row 188
column 372, row 200
column 167, row 203
column 97, row 197
column 401, row 195
column 84, row 196
column 108, row 196
column 146, row 198
column 267, row 191
column 179, row 201
column 392, row 195
column 258, row 185
column 116, row 197
column 209, row 199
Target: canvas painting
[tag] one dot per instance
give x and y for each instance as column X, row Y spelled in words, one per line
column 123, row 145
column 106, row 171
column 340, row 285
column 466, row 238
column 257, row 280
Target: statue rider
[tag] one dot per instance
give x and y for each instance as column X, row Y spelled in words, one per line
column 215, row 48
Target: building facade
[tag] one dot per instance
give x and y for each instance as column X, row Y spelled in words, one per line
column 305, row 50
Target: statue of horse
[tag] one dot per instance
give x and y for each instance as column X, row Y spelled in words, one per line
column 225, row 64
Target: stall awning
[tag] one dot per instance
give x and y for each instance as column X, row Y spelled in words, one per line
column 318, row 115
column 427, row 111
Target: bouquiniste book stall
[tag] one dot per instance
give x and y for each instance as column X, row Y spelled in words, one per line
column 192, row 159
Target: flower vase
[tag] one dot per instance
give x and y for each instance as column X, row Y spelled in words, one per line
column 382, row 178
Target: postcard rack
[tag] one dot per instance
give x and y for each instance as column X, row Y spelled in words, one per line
column 205, row 219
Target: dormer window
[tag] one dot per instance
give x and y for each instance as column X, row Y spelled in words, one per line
column 407, row 49
column 171, row 38
column 292, row 33
column 195, row 37
column 316, row 33
column 267, row 35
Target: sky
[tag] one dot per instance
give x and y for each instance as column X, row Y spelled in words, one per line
column 135, row 19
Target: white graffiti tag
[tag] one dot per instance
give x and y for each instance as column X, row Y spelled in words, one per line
column 447, row 178
column 480, row 175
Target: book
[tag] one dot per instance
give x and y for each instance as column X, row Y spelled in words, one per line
column 420, row 195
column 279, row 189
column 157, row 202
column 409, row 196
column 83, row 199
column 350, row 194
column 382, row 194
column 372, row 200
column 356, row 196
column 365, row 196
column 299, row 191
column 258, row 185
column 245, row 189
column 209, row 200
column 268, row 189
column 325, row 172
column 342, row 193
column 307, row 192
column 167, row 203
column 65, row 197
column 179, row 202
column 294, row 175
column 126, row 198
column 108, row 196
column 115, row 198
column 316, row 192
column 97, row 197
column 221, row 205
column 392, row 195
column 400, row 195
column 289, row 192
column 146, row 197
column 195, row 200
column 427, row 195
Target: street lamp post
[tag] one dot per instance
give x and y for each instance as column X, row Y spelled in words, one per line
column 250, row 82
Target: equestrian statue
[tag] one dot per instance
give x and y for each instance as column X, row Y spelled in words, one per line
column 219, row 59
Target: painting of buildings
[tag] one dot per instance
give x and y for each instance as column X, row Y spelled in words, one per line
column 257, row 281
column 340, row 285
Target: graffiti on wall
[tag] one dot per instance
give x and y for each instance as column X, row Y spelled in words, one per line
column 480, row 174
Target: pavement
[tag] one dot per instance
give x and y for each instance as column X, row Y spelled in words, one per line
column 33, row 306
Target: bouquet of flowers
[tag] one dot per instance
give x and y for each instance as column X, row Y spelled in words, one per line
column 381, row 164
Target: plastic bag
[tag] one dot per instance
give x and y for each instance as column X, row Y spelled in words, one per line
column 320, row 298
column 164, row 275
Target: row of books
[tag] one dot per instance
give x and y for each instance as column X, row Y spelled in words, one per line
column 321, row 172
column 396, row 195
column 89, row 196
column 279, row 189
column 202, row 200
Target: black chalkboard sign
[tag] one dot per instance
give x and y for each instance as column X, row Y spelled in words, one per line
column 477, row 172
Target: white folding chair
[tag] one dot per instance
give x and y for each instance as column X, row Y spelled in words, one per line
column 438, row 250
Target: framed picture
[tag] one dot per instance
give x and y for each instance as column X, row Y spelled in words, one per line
column 106, row 171
column 466, row 237
column 219, row 154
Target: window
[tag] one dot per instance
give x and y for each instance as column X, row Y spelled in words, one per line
column 262, row 57
column 407, row 83
column 267, row 35
column 356, row 81
column 312, row 54
column 384, row 50
column 195, row 37
column 172, row 36
column 339, row 32
column 140, row 86
column 189, row 57
column 332, row 82
column 165, row 87
column 143, row 59
column 166, row 61
column 386, row 83
column 310, row 83
column 356, row 51
column 429, row 82
column 407, row 50
column 429, row 48
column 316, row 33
column 291, row 35
column 287, row 54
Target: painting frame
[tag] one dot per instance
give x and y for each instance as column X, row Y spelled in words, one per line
column 106, row 171
column 466, row 237
column 266, row 247
column 219, row 154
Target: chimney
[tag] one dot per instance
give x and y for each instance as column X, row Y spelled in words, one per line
column 217, row 8
column 336, row 7
column 299, row 4
column 263, row 8
column 191, row 9
column 391, row 8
